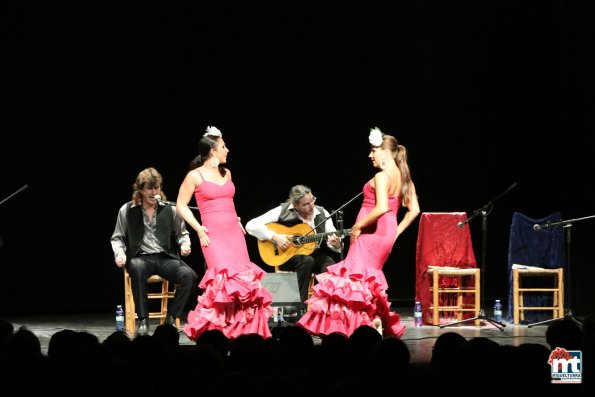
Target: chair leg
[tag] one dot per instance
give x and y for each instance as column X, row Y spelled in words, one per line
column 521, row 306
column 555, row 298
column 561, row 292
column 128, row 305
column 436, row 297
column 311, row 289
column 460, row 299
column 477, row 279
column 515, row 296
column 164, row 299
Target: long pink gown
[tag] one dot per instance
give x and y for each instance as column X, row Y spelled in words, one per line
column 233, row 300
column 353, row 292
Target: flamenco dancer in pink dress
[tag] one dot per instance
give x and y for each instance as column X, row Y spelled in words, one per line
column 233, row 299
column 353, row 292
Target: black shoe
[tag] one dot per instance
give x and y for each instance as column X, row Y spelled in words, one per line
column 143, row 327
column 171, row 320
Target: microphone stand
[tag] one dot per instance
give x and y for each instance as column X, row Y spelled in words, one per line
column 340, row 224
column 336, row 211
column 567, row 225
column 299, row 239
column 172, row 204
column 8, row 198
column 484, row 212
column 340, row 231
column 14, row 194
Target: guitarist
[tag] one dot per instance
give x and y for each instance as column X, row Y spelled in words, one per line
column 299, row 208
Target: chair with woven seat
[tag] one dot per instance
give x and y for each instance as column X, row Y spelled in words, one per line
column 556, row 288
column 447, row 276
column 466, row 282
column 536, row 262
column 162, row 295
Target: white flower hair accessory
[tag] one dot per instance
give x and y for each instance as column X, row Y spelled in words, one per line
column 375, row 137
column 213, row 131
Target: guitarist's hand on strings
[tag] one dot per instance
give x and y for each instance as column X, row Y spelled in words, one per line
column 335, row 241
column 283, row 241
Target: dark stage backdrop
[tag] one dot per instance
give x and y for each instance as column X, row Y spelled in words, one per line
column 483, row 96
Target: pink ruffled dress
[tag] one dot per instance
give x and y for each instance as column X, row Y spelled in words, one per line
column 353, row 292
column 233, row 299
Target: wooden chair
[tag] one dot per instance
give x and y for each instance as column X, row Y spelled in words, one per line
column 556, row 289
column 163, row 295
column 536, row 262
column 449, row 296
column 447, row 276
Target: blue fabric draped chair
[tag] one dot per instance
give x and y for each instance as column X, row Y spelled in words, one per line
column 542, row 248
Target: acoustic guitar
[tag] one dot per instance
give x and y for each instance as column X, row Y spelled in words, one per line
column 303, row 242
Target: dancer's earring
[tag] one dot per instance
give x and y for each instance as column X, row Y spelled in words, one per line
column 213, row 162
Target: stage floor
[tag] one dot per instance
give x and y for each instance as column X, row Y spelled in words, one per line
column 420, row 340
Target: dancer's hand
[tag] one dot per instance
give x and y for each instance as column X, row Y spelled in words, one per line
column 241, row 226
column 355, row 232
column 202, row 236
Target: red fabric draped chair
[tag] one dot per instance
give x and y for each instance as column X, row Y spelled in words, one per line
column 442, row 245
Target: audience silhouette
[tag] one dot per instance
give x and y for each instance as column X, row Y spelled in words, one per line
column 291, row 364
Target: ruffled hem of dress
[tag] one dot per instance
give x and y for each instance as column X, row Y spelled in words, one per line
column 344, row 303
column 356, row 271
column 234, row 305
column 247, row 268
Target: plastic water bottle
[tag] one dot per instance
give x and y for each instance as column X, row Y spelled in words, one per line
column 280, row 314
column 417, row 315
column 498, row 311
column 119, row 318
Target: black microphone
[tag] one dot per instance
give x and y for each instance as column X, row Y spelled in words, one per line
column 537, row 226
column 163, row 202
column 460, row 225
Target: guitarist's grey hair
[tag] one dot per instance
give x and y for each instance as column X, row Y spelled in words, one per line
column 297, row 192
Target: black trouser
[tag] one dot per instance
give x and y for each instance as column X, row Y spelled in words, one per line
column 305, row 266
column 173, row 270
